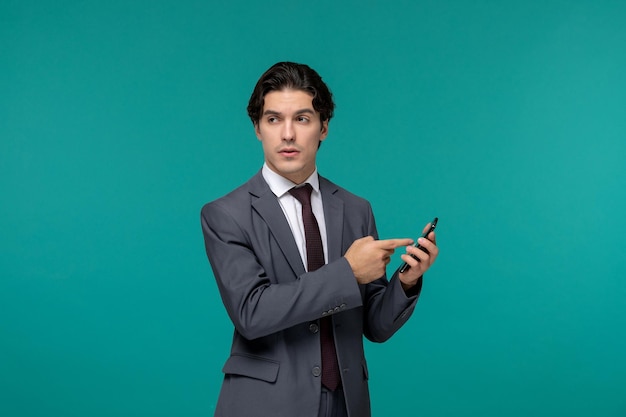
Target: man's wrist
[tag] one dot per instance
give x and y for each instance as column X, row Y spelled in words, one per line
column 411, row 289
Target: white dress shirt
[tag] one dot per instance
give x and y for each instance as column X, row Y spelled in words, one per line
column 292, row 208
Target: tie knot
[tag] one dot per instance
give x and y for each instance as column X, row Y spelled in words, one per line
column 302, row 194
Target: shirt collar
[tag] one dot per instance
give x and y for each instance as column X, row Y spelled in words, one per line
column 281, row 185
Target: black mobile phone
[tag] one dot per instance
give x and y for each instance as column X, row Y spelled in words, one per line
column 405, row 267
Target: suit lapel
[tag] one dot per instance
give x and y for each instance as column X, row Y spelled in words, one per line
column 333, row 216
column 266, row 204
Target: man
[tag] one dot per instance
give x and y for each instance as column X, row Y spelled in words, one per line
column 301, row 307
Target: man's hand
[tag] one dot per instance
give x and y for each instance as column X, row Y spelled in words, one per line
column 368, row 258
column 424, row 260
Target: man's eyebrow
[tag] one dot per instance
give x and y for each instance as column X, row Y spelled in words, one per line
column 270, row 112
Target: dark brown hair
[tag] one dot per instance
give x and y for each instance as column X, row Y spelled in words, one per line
column 289, row 75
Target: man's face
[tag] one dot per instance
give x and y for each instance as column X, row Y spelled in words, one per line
column 290, row 130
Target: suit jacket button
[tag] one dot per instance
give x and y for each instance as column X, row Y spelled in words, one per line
column 337, row 309
column 314, row 328
column 343, row 306
column 316, row 371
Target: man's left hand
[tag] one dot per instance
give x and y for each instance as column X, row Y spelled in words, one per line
column 424, row 259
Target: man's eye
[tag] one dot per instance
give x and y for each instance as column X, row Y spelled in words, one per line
column 302, row 119
column 272, row 119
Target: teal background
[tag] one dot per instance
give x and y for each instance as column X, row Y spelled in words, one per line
column 119, row 119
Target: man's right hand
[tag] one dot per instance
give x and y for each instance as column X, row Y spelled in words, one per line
column 368, row 258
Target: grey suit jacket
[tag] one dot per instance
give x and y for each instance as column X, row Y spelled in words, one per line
column 274, row 365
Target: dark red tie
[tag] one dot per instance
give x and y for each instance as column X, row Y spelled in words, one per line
column 315, row 260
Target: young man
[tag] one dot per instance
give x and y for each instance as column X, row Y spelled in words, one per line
column 302, row 273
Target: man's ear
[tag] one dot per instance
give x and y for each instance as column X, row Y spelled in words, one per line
column 324, row 132
column 257, row 131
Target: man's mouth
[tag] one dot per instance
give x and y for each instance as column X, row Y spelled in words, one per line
column 289, row 152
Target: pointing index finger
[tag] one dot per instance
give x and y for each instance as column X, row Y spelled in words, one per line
column 394, row 243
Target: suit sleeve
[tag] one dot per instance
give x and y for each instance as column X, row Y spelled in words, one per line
column 259, row 304
column 386, row 305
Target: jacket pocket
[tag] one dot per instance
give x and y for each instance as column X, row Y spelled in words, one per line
column 252, row 366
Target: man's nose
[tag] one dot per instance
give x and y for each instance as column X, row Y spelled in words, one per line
column 288, row 132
